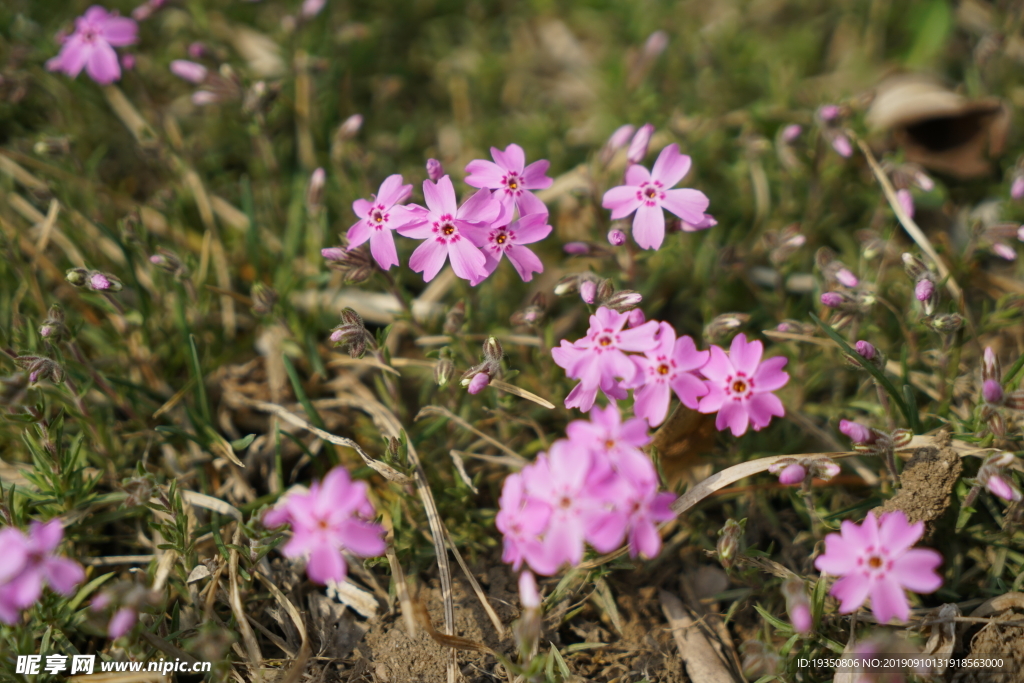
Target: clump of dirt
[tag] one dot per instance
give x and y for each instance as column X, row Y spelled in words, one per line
column 394, row 657
column 1000, row 641
column 926, row 484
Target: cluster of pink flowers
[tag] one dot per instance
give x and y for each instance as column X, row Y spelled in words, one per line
column 595, row 487
column 91, row 46
column 27, row 562
column 736, row 384
column 496, row 221
column 333, row 515
column 876, row 560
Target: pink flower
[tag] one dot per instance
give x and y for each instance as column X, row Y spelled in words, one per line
column 708, row 221
column 508, row 240
column 1017, row 188
column 997, row 485
column 638, row 145
column 906, row 201
column 446, row 229
column 645, row 507
column 91, row 46
column 876, row 560
column 190, row 71
column 328, row 518
column 791, row 132
column 616, row 141
column 797, row 604
column 511, row 181
column 841, row 144
column 616, row 443
column 668, row 367
column 739, row 386
column 122, row 622
column 434, row 169
column 846, row 278
column 599, row 358
column 616, row 237
column 521, row 519
column 791, row 474
column 648, row 192
column 378, row 217
column 27, row 562
column 529, row 596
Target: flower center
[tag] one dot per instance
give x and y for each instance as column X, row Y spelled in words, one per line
column 447, row 229
column 377, row 217
column 89, row 35
column 663, row 369
column 501, row 238
column 565, row 503
column 609, row 444
column 739, row 386
column 605, row 341
column 322, row 524
column 512, row 185
column 651, row 193
column 875, row 562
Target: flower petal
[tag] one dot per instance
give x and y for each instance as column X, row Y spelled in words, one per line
column 769, row 375
column 467, row 260
column 514, row 158
column 745, row 355
column 763, row 407
column 649, row 227
column 531, row 228
column 382, row 246
column 483, row 173
column 440, row 196
column 326, row 564
column 103, row 66
column 851, row 591
column 358, row 234
column 735, row 416
column 888, row 600
column 525, row 262
column 651, row 402
column 689, row 389
column 671, row 166
column 896, row 533
column 637, row 175
column 481, row 207
column 622, row 201
column 529, row 203
column 713, row 400
column 429, row 258
column 362, row 207
column 719, row 365
column 63, row 574
column 393, row 191
column 120, row 31
column 915, row 570
column 689, row 205
column 363, row 538
column 535, row 176
column 840, row 556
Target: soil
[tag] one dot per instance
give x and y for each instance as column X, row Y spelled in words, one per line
column 999, row 641
column 926, row 485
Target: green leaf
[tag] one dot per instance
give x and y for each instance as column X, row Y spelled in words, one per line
column 933, row 27
column 875, row 372
column 243, row 443
column 86, row 590
column 562, row 666
column 776, row 623
column 576, row 647
column 197, row 373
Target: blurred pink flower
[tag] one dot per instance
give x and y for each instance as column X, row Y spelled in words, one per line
column 647, row 192
column 876, row 560
column 599, row 358
column 791, row 132
column 615, row 142
column 616, row 237
column 1017, row 188
column 791, row 474
column 434, row 169
column 27, row 562
column 668, row 367
column 122, row 622
column 311, row 8
column 797, row 604
column 740, row 385
column 616, row 443
column 508, row 240
column 529, row 596
column 511, row 179
column 446, row 228
column 841, row 144
column 378, row 217
column 856, row 432
column 906, row 201
column 708, row 221
column 91, row 46
column 330, row 517
column 521, row 519
column 478, row 383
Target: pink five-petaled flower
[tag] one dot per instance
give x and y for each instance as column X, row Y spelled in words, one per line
column 616, row 443
column 598, row 358
column 330, row 517
column 647, row 192
column 377, row 218
column 511, row 179
column 446, row 229
column 667, row 368
column 739, row 386
column 27, row 562
column 875, row 560
column 508, row 240
column 91, row 46
column 521, row 519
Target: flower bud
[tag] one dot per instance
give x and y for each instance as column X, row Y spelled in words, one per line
column 832, row 299
column 478, row 382
column 333, row 253
column 492, row 350
column 847, row 278
column 992, row 392
column 829, row 112
column 841, row 144
column 1017, row 188
column 617, row 141
column 190, row 71
column 946, row 323
column 990, row 368
column 638, row 146
column 576, row 249
column 797, row 604
column 444, row 371
column 914, row 266
column 623, row 300
column 100, row 282
column 350, row 127
column 355, row 265
column 924, row 290
column 825, row 468
column 588, row 291
column 906, row 201
column 455, row 318
column 723, row 327
column 791, row 132
column 729, row 541
column 53, row 328
column 856, row 432
column 866, row 349
column 636, row 318
column 315, row 191
column 79, row 277
column 901, row 438
column 616, row 237
column 311, row 8
column 435, row 171
column 790, row 473
column 263, row 298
